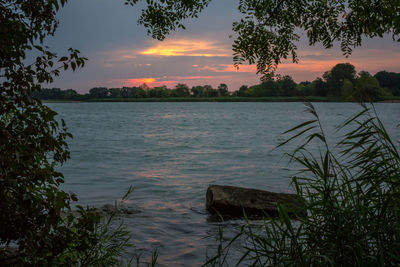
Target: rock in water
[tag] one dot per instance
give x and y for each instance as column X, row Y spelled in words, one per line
column 230, row 201
column 120, row 208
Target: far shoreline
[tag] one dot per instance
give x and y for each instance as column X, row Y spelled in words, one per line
column 221, row 99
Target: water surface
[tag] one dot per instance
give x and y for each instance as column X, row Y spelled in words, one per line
column 171, row 152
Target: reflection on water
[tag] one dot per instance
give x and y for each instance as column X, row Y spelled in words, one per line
column 171, row 152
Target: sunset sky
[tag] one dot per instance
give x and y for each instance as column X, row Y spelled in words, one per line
column 121, row 54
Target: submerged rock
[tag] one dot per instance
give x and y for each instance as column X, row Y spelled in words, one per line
column 119, row 208
column 230, row 201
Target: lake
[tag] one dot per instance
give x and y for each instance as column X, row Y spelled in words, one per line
column 171, row 152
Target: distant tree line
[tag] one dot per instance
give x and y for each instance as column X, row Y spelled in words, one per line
column 341, row 81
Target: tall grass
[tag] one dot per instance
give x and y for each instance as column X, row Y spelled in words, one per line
column 352, row 195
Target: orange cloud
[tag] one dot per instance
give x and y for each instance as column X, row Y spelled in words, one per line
column 186, row 47
column 142, row 80
column 152, row 82
column 162, row 80
column 310, row 65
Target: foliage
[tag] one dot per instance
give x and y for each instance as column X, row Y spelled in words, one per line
column 286, row 85
column 268, row 87
column 159, row 92
column 197, row 91
column 33, row 143
column 269, row 30
column 162, row 17
column 389, row 80
column 87, row 239
column 223, row 90
column 367, row 88
column 99, row 92
column 352, row 194
column 114, row 92
column 242, row 90
column 320, row 87
column 336, row 76
column 305, row 88
column 181, row 90
column 56, row 93
column 347, row 89
column 209, row 91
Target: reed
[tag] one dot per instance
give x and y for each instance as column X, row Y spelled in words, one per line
column 352, row 194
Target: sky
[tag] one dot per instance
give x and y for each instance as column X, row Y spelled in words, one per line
column 121, row 54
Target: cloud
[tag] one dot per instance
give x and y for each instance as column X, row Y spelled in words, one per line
column 141, row 80
column 186, row 47
column 152, row 82
column 230, row 68
column 192, row 77
column 159, row 81
column 311, row 65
